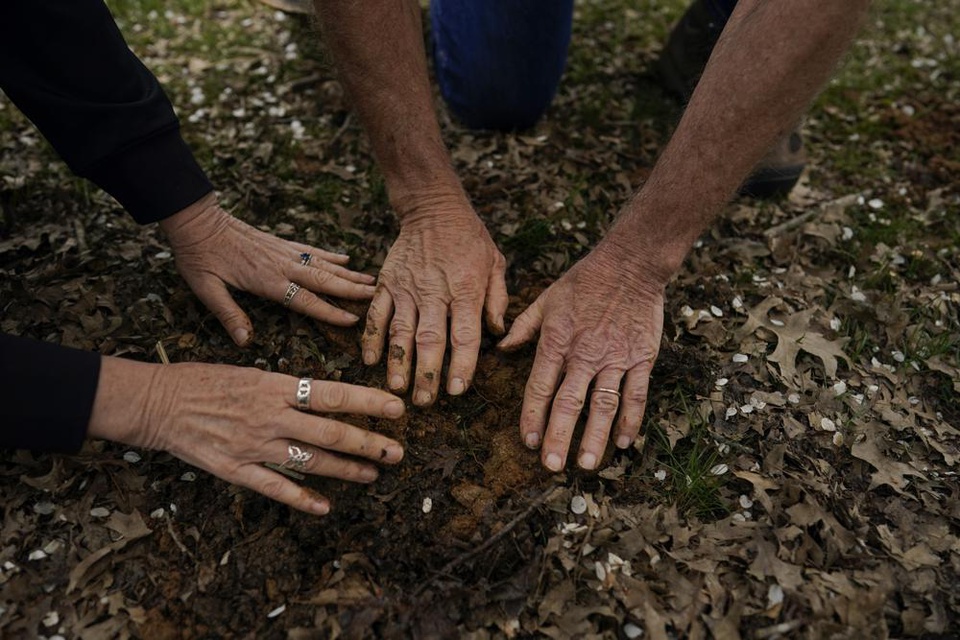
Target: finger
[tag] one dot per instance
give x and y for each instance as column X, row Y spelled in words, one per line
column 321, row 280
column 375, row 332
column 497, row 297
column 564, row 413
column 277, row 487
column 321, row 462
column 633, row 404
column 309, row 304
column 464, row 346
column 431, row 343
column 525, row 327
column 333, row 435
column 403, row 329
column 339, row 397
column 213, row 293
column 541, row 385
column 603, row 409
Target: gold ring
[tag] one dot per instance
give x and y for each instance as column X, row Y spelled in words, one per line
column 606, row 390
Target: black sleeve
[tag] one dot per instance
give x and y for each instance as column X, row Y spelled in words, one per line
column 47, row 393
column 65, row 64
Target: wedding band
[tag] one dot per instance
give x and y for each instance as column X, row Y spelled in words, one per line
column 303, row 394
column 291, row 291
column 305, row 258
column 606, row 390
column 297, row 458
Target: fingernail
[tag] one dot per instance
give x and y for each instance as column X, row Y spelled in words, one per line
column 396, row 381
column 553, row 462
column 240, row 336
column 588, row 461
column 423, row 397
column 368, row 474
column 392, row 453
column 350, row 317
column 500, row 324
column 320, row 508
column 369, row 357
column 456, row 387
column 393, row 409
column 532, row 440
column 623, row 442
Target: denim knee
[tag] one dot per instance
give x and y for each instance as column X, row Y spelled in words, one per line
column 499, row 62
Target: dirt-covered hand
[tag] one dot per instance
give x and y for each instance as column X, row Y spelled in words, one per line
column 214, row 250
column 442, row 264
column 600, row 333
column 230, row 420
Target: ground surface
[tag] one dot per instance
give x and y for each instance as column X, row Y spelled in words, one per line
column 798, row 475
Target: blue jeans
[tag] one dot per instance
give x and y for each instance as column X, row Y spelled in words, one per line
column 499, row 62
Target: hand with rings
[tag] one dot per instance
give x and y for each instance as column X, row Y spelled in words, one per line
column 214, row 251
column 247, row 426
column 600, row 331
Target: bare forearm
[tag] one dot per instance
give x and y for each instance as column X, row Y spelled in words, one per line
column 378, row 46
column 769, row 63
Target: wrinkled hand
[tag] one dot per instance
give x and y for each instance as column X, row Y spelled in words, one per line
column 441, row 264
column 598, row 326
column 230, row 420
column 214, row 250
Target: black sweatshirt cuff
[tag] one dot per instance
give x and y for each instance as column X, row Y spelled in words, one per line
column 153, row 179
column 47, row 393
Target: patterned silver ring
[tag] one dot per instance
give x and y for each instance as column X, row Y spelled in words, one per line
column 303, row 394
column 291, row 291
column 297, row 458
column 305, row 258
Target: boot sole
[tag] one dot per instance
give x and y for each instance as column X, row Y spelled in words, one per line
column 771, row 183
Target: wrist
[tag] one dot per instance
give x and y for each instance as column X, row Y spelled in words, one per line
column 640, row 249
column 190, row 215
column 124, row 406
column 445, row 202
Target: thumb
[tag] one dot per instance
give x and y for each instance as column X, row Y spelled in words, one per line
column 213, row 293
column 525, row 327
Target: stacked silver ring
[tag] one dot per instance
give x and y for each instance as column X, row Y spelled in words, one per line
column 291, row 291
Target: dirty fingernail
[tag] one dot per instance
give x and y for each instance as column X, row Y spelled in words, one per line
column 368, row 474
column 369, row 357
column 532, row 440
column 588, row 461
column 423, row 397
column 393, row 409
column 553, row 462
column 240, row 336
column 623, row 442
column 392, row 453
column 396, row 381
column 457, row 387
column 320, row 508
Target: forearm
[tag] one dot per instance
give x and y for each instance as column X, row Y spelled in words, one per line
column 770, row 61
column 378, row 46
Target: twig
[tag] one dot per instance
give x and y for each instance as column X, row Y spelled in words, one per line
column 161, row 352
column 777, row 629
column 796, row 221
column 489, row 542
column 343, row 128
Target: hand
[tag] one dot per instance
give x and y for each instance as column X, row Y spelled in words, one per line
column 213, row 250
column 441, row 264
column 598, row 325
column 230, row 420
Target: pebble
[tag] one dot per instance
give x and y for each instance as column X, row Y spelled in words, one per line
column 157, row 513
column 721, row 382
column 44, row 508
column 188, row 476
column 52, row 547
column 99, row 512
column 660, row 475
column 132, row 457
column 827, row 424
column 840, row 388
column 52, row 619
column 427, row 506
column 837, row 439
column 38, row 554
column 775, row 595
column 875, row 203
column 578, row 505
column 740, row 357
column 277, row 611
column 745, row 501
column 835, row 324
column 731, row 411
column 632, row 631
column 719, row 469
column 715, row 310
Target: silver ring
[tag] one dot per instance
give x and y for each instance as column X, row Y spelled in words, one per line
column 291, row 291
column 305, row 258
column 297, row 458
column 606, row 390
column 303, row 394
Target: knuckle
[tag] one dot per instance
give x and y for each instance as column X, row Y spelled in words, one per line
column 400, row 326
column 604, row 404
column 331, row 434
column 539, row 388
column 568, row 403
column 428, row 336
column 273, row 489
column 464, row 339
column 333, row 396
